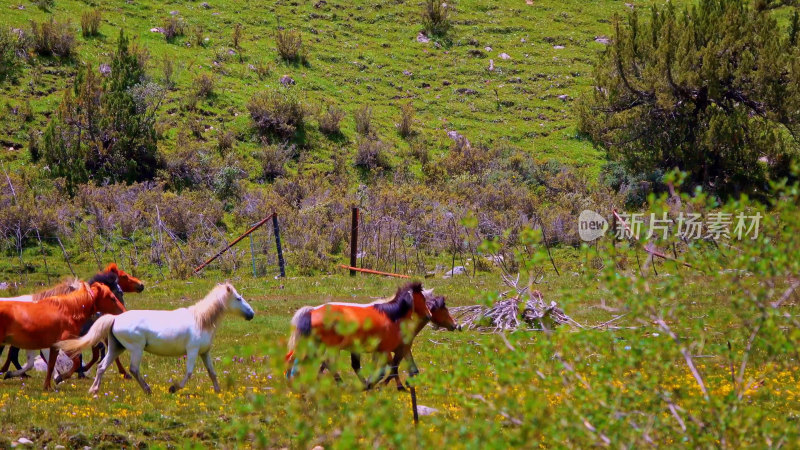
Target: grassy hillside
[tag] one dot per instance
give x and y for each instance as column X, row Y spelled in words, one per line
column 357, row 53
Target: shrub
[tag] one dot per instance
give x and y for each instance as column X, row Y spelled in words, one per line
column 90, row 23
column 277, row 112
column 261, row 69
column 45, row 5
column 363, row 118
column 435, row 18
column 53, row 38
column 12, row 50
column 273, row 159
column 120, row 113
column 226, row 183
column 373, row 155
column 173, row 28
column 330, row 120
column 290, row 45
column 225, row 140
column 405, row 127
column 204, row 85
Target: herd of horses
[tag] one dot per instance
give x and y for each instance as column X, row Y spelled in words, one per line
column 78, row 315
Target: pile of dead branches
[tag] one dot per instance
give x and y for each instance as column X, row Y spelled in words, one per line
column 505, row 314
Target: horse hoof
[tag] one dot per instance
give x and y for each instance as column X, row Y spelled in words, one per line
column 401, row 388
column 173, row 389
column 127, row 376
column 82, row 376
column 24, row 375
column 148, row 391
column 59, row 379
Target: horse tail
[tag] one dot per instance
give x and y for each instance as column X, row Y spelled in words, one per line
column 99, row 331
column 301, row 326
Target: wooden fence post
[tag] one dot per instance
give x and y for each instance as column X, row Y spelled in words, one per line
column 354, row 241
column 281, row 262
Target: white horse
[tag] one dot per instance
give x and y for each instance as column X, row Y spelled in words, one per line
column 186, row 331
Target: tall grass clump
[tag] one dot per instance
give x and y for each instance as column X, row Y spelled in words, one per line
column 372, row 155
column 12, row 50
column 289, row 44
column 363, row 118
column 330, row 120
column 406, row 124
column 53, row 38
column 90, row 23
column 436, row 18
column 278, row 113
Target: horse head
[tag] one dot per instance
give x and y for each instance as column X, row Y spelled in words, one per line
column 104, row 299
column 127, row 282
column 238, row 304
column 420, row 305
column 440, row 315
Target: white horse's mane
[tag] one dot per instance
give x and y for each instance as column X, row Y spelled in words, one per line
column 209, row 310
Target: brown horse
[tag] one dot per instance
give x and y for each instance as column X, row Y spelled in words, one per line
column 126, row 282
column 373, row 327
column 41, row 325
column 440, row 317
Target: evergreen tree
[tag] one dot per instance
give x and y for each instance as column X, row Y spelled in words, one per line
column 712, row 90
column 106, row 131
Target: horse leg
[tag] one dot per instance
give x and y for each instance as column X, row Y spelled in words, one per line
column 136, row 359
column 395, row 374
column 76, row 366
column 122, row 370
column 191, row 358
column 13, row 357
column 325, row 365
column 28, row 366
column 381, row 373
column 96, row 356
column 355, row 363
column 114, row 350
column 210, row 368
column 51, row 364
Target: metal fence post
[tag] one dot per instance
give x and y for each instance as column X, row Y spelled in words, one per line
column 281, row 262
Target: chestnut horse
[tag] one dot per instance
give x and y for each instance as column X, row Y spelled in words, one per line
column 126, row 282
column 40, row 325
column 373, row 327
column 440, row 318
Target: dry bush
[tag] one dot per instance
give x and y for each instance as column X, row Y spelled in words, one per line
column 225, row 140
column 189, row 166
column 373, row 154
column 90, row 23
column 204, row 84
column 273, row 159
column 363, row 118
column 405, row 127
column 290, row 45
column 261, row 69
column 277, row 112
column 53, row 38
column 435, row 18
column 173, row 27
column 330, row 120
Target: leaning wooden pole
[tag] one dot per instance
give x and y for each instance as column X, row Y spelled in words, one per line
column 279, row 248
column 354, row 241
column 234, row 242
column 374, row 272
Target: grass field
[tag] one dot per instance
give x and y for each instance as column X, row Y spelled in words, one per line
column 486, row 394
column 357, row 53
